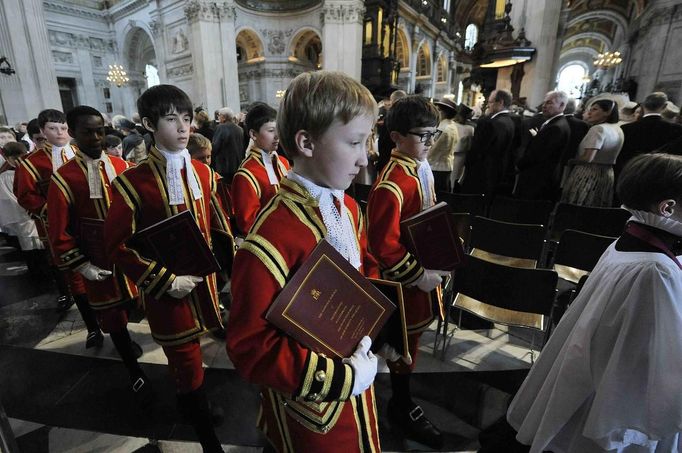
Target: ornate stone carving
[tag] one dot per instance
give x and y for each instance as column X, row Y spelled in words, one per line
column 64, row 39
column 96, row 61
column 179, row 43
column 62, row 57
column 276, row 41
column 209, row 11
column 155, row 28
column 257, row 72
column 73, row 10
column 177, row 72
column 342, row 13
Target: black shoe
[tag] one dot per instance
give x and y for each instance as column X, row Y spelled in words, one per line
column 137, row 349
column 64, row 303
column 142, row 390
column 414, row 425
column 94, row 339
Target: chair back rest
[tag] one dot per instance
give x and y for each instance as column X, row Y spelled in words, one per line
column 505, row 295
column 578, row 252
column 474, row 204
column 517, row 210
column 601, row 221
column 361, row 192
column 511, row 244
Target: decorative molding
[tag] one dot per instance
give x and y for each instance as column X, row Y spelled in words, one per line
column 342, row 13
column 276, row 40
column 155, row 28
column 65, row 39
column 72, row 10
column 209, row 12
column 127, row 9
column 177, row 72
column 62, row 57
column 258, row 73
column 97, row 61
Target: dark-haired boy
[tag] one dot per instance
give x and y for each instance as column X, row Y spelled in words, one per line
column 310, row 403
column 31, row 181
column 404, row 188
column 81, row 189
column 166, row 183
column 258, row 177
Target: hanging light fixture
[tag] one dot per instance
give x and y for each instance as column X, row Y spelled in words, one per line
column 117, row 75
column 607, row 60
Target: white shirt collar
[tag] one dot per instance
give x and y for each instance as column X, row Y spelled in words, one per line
column 499, row 113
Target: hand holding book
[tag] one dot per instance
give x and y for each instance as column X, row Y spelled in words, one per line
column 364, row 365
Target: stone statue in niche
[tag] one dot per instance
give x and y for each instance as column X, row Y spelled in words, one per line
column 180, row 42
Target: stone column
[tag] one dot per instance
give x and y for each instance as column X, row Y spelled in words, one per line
column 541, row 20
column 34, row 86
column 214, row 58
column 342, row 35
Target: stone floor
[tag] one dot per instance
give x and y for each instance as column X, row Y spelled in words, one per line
column 60, row 397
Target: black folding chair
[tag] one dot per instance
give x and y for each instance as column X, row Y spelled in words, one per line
column 511, row 244
column 474, row 204
column 601, row 221
column 361, row 192
column 517, row 210
column 503, row 294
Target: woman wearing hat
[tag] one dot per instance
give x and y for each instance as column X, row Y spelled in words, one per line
column 442, row 153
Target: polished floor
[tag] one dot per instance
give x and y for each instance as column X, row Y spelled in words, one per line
column 60, row 397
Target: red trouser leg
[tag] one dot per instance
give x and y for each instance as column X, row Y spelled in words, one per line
column 184, row 361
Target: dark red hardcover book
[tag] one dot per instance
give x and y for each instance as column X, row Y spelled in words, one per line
column 395, row 330
column 177, row 243
column 328, row 305
column 91, row 242
column 432, row 238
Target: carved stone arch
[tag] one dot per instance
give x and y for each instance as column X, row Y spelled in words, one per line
column 613, row 16
column 402, row 49
column 593, row 35
column 579, row 50
column 138, row 48
column 574, row 62
column 306, row 48
column 249, row 46
column 423, row 63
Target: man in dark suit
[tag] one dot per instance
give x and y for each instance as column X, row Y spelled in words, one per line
column 578, row 131
column 228, row 147
column 651, row 132
column 489, row 161
column 538, row 170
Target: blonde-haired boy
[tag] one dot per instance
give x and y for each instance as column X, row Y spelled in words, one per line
column 310, row 402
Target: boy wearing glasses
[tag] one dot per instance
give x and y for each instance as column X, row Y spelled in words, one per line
column 404, row 188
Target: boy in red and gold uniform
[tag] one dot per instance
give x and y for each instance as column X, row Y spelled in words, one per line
column 309, row 402
column 166, row 183
column 81, row 189
column 258, row 177
column 31, row 181
column 404, row 188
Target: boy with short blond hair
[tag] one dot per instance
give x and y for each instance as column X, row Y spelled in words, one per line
column 309, row 402
column 405, row 187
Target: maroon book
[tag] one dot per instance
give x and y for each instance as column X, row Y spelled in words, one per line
column 176, row 243
column 91, row 242
column 431, row 236
column 329, row 306
column 395, row 331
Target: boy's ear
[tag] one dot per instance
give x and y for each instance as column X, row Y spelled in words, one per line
column 304, row 143
column 253, row 134
column 146, row 122
column 395, row 136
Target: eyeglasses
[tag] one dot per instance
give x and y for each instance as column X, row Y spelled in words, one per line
column 426, row 136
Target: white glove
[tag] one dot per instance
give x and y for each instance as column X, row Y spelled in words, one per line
column 183, row 285
column 364, row 364
column 429, row 280
column 92, row 272
column 238, row 241
column 391, row 355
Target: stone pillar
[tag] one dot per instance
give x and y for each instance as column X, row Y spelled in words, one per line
column 541, row 19
column 342, row 20
column 88, row 96
column 214, row 57
column 34, row 86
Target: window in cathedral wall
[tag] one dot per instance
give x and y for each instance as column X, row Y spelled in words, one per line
column 470, row 36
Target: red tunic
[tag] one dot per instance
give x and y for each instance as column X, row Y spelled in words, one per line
column 68, row 202
column 139, row 200
column 306, row 403
column 395, row 196
column 251, row 188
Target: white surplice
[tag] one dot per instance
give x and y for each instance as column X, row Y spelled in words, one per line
column 610, row 377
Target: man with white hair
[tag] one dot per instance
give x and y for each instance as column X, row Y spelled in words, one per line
column 539, row 171
column 228, row 144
